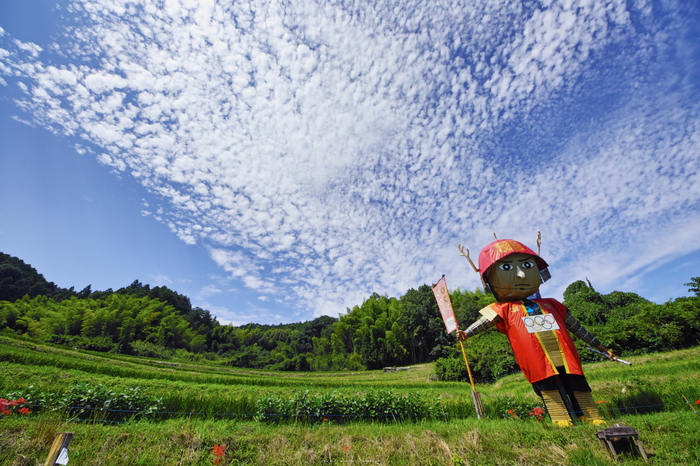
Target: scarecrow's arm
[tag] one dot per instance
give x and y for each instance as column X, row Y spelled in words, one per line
column 481, row 325
column 577, row 329
column 487, row 320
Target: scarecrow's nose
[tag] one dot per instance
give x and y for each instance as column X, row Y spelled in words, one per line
column 520, row 272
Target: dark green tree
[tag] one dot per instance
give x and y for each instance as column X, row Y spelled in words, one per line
column 694, row 285
column 425, row 330
column 18, row 279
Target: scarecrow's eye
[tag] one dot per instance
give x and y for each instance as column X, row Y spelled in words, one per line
column 506, row 267
column 527, row 265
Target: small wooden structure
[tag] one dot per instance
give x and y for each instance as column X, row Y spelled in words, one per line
column 396, row 369
column 620, row 435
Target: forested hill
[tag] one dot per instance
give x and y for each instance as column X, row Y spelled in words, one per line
column 135, row 319
column 18, row 279
column 382, row 331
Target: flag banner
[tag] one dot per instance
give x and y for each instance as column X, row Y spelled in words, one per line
column 445, row 305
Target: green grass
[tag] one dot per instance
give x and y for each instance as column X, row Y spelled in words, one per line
column 647, row 396
column 668, row 438
column 219, row 389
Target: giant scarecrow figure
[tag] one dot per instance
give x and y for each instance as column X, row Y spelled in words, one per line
column 538, row 330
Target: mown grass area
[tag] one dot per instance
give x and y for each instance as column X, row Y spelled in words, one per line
column 647, row 396
column 669, row 439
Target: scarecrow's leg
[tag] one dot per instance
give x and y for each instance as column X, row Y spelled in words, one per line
column 556, row 408
column 591, row 415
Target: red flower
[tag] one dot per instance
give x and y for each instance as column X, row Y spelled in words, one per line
column 510, row 411
column 697, row 402
column 5, row 406
column 218, row 451
column 346, row 447
column 538, row 413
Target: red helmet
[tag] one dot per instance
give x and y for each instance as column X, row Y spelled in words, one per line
column 501, row 248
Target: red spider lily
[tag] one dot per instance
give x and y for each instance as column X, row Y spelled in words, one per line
column 537, row 413
column 5, row 406
column 512, row 413
column 25, row 410
column 697, row 402
column 325, row 419
column 218, row 451
column 346, row 447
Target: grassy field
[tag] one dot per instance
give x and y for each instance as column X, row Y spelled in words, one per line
column 647, row 396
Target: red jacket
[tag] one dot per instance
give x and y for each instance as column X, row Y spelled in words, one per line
column 538, row 353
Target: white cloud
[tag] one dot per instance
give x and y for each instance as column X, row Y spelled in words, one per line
column 322, row 153
column 160, row 280
column 207, row 291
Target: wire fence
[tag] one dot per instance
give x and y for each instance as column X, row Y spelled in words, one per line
column 100, row 414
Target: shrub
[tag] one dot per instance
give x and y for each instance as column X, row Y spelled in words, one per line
column 86, row 398
column 490, row 358
column 451, row 370
column 94, row 401
column 380, row 405
column 101, row 344
column 151, row 350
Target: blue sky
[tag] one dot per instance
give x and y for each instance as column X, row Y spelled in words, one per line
column 278, row 161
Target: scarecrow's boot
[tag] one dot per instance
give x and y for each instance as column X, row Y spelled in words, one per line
column 556, row 408
column 591, row 415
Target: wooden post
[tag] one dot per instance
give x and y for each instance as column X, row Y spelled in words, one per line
column 689, row 404
column 60, row 442
column 475, row 396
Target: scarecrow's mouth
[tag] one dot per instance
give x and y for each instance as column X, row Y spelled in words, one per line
column 513, row 287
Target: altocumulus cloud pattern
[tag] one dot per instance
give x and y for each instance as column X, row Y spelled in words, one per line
column 348, row 146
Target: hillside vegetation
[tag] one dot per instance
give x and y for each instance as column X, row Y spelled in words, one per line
column 160, row 323
column 201, row 405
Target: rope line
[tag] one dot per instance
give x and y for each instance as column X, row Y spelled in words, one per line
column 263, row 415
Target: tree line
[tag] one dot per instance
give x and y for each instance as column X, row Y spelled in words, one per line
column 382, row 331
column 625, row 322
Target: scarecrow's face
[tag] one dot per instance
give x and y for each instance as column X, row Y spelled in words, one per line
column 514, row 277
